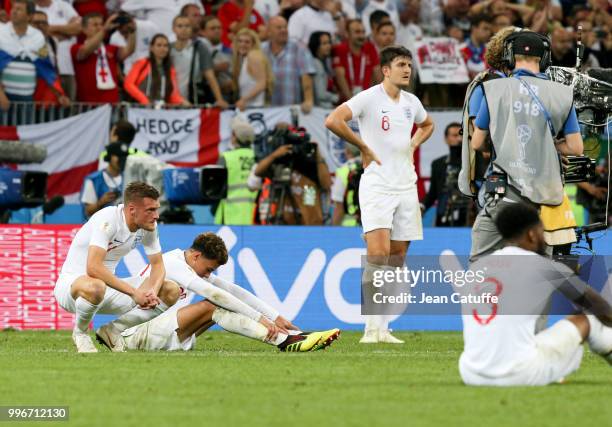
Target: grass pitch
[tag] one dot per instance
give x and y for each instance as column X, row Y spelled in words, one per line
column 233, row 381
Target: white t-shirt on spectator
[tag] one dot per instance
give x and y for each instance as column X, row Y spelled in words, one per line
column 388, row 6
column 386, row 127
column 307, row 20
column 267, row 8
column 60, row 13
column 145, row 30
column 349, row 10
column 160, row 12
column 408, row 35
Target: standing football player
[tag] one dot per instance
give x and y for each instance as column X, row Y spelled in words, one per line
column 87, row 283
column 388, row 200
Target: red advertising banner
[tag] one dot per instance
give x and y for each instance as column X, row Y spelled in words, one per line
column 30, row 260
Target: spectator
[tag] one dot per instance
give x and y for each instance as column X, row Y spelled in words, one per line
column 320, row 48
column 431, row 17
column 23, row 58
column 64, row 25
column 561, row 48
column 346, row 208
column 289, row 7
column 267, row 8
column 252, row 73
column 95, row 62
column 376, row 18
column 193, row 65
column 210, row 35
column 388, row 6
column 383, row 36
column 44, row 93
column 291, row 65
column 152, row 80
column 500, row 21
column 593, row 195
column 104, row 188
column 310, row 18
column 591, row 45
column 604, row 54
column 456, row 13
column 452, row 207
column 409, row 30
column 355, row 61
column 160, row 12
column 238, row 208
column 194, row 13
column 474, row 48
column 237, row 14
column 145, row 30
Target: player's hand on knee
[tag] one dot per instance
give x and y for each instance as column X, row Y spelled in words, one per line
column 145, row 298
column 285, row 325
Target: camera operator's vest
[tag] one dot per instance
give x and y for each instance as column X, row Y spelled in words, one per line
column 522, row 141
column 100, row 187
column 238, row 207
column 468, row 174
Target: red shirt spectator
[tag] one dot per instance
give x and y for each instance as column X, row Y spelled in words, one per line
column 87, row 80
column 358, row 68
column 231, row 13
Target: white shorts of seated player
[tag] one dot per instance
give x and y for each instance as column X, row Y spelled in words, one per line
column 557, row 352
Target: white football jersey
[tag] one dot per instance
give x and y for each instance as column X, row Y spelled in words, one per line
column 386, row 127
column 498, row 338
column 108, row 230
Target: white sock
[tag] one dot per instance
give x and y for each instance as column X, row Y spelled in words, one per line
column 600, row 336
column 84, row 313
column 242, row 325
column 372, row 321
column 137, row 316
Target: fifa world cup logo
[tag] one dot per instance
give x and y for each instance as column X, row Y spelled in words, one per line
column 523, row 133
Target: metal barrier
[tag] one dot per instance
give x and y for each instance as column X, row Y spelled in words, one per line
column 28, row 113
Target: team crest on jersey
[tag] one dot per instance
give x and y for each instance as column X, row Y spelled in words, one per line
column 408, row 113
column 136, row 241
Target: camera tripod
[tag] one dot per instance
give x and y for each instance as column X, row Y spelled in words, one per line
column 279, row 191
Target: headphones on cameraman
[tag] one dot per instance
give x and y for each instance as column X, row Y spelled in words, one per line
column 508, row 49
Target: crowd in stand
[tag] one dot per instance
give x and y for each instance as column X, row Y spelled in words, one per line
column 253, row 53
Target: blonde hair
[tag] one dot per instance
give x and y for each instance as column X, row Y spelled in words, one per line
column 237, row 61
column 495, row 48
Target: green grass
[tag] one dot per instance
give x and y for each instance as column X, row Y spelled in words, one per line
column 232, row 381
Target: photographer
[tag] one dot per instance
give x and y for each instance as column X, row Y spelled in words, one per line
column 593, row 195
column 345, row 190
column 452, row 207
column 103, row 188
column 239, row 205
column 294, row 178
column 525, row 115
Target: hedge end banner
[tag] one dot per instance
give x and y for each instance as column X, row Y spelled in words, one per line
column 194, row 137
column 73, row 146
column 439, row 60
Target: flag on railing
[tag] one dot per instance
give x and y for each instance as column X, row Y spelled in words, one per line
column 194, row 137
column 73, row 146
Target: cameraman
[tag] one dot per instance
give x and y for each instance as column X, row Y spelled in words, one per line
column 593, row 195
column 104, row 188
column 452, row 207
column 308, row 178
column 239, row 205
column 524, row 114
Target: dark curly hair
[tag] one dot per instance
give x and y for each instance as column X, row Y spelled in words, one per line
column 211, row 246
